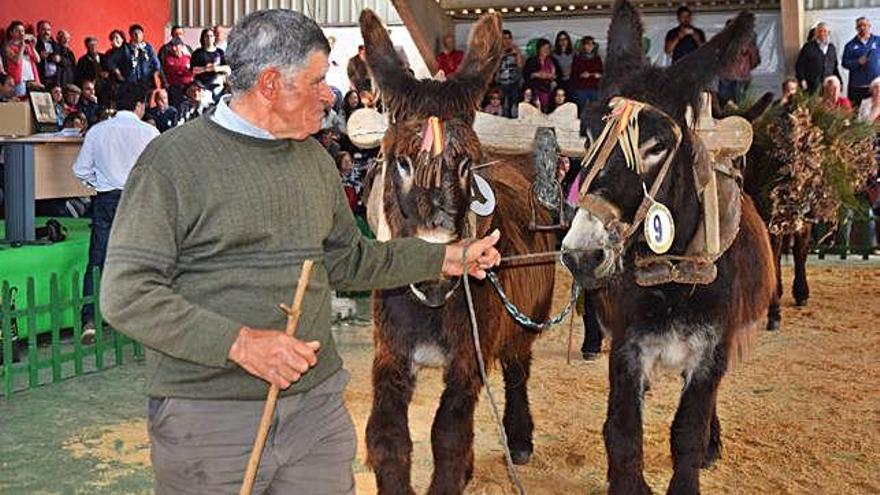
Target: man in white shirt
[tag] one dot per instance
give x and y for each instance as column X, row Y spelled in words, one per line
column 108, row 154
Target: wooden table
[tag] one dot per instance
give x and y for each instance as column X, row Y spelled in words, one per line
column 37, row 167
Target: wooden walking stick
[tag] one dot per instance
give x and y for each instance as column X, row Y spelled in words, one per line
column 293, row 313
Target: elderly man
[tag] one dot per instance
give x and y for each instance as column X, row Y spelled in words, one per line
column 204, row 248
column 817, row 60
column 449, row 57
column 861, row 56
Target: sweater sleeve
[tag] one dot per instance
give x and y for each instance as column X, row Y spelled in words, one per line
column 850, row 57
column 137, row 295
column 354, row 262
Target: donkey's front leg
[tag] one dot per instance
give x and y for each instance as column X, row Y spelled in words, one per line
column 389, row 446
column 517, row 417
column 692, row 429
column 623, row 425
column 452, row 436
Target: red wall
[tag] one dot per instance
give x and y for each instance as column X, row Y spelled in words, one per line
column 91, row 18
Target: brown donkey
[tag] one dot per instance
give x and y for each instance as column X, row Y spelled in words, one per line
column 687, row 314
column 422, row 187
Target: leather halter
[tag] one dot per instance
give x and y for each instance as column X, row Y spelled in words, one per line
column 621, row 128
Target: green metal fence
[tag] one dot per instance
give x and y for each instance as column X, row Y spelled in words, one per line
column 48, row 355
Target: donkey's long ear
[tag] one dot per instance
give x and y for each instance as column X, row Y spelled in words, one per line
column 625, row 54
column 389, row 72
column 482, row 59
column 696, row 70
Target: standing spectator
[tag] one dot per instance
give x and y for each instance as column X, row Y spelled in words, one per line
column 107, row 156
column 358, row 73
column 734, row 80
column 220, row 37
column 194, row 104
column 563, row 53
column 683, row 38
column 541, row 71
column 862, row 58
column 162, row 112
column 209, row 65
column 45, row 47
column 176, row 32
column 449, row 58
column 88, row 102
column 72, row 95
column 817, row 60
column 509, row 76
column 115, row 62
column 586, row 73
column 142, row 64
column 20, row 58
column 178, row 74
column 831, row 95
column 350, row 103
column 495, row 105
column 65, row 60
column 88, row 68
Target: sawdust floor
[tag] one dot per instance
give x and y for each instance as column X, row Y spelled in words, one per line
column 801, row 414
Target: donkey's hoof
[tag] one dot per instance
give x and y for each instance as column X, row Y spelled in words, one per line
column 800, row 302
column 772, row 325
column 520, row 456
column 709, row 459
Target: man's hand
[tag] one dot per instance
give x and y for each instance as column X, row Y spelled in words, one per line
column 273, row 356
column 863, row 60
column 481, row 255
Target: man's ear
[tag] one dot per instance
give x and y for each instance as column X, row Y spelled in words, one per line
column 269, row 82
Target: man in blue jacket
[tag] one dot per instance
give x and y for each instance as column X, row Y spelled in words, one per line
column 861, row 56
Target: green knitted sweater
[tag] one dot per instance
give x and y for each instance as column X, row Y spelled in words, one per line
column 210, row 235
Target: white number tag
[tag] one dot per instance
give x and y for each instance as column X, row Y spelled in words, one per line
column 659, row 228
column 487, row 206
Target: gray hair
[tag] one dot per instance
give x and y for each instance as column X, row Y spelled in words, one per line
column 277, row 38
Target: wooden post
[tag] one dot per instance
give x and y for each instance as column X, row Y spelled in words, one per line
column 427, row 23
column 792, row 15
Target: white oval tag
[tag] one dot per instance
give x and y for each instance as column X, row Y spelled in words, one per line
column 487, row 206
column 659, row 228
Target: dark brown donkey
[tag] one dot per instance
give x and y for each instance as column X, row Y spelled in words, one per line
column 422, row 187
column 695, row 327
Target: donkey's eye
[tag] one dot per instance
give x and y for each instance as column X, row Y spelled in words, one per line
column 463, row 167
column 657, row 149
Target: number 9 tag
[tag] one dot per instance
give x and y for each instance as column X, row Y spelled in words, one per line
column 659, row 228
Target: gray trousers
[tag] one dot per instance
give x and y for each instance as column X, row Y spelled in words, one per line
column 202, row 446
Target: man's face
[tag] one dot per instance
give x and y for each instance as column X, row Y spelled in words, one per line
column 116, row 40
column 7, row 90
column 194, row 93
column 449, row 42
column 863, row 26
column 302, row 99
column 45, row 30
column 71, row 98
column 162, row 99
column 219, row 33
column 88, row 90
column 684, row 19
column 177, row 33
column 18, row 32
column 790, row 88
column 362, row 53
column 822, row 33
column 137, row 36
column 92, row 47
column 63, row 38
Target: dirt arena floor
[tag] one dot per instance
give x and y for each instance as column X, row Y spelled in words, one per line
column 800, row 415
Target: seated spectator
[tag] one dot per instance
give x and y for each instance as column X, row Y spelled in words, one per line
column 586, row 73
column 150, row 120
column 162, row 112
column 495, row 105
column 366, row 99
column 831, row 94
column 541, row 71
column 449, row 59
column 209, row 65
column 20, row 58
column 528, row 96
column 88, row 68
column 194, row 104
column 58, row 100
column 7, row 88
column 71, row 99
column 560, row 98
column 350, row 103
column 76, row 123
column 330, row 141
column 351, row 182
column 65, row 60
column 790, row 88
column 178, row 74
column 88, row 102
column 869, row 110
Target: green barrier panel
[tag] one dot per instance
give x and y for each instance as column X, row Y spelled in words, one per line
column 40, row 261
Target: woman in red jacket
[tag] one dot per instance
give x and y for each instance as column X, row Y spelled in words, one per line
column 586, row 73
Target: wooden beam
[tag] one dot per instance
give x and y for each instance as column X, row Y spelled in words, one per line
column 427, row 23
column 792, row 14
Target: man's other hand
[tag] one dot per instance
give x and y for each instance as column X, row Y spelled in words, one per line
column 273, row 355
column 481, row 255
